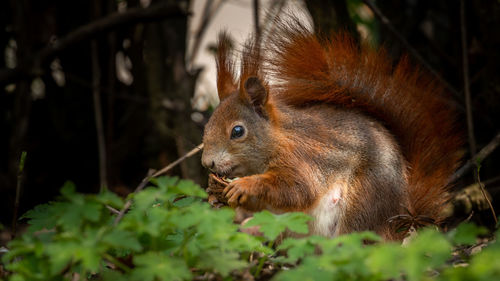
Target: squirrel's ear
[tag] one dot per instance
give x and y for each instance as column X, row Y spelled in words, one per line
column 226, row 84
column 225, row 89
column 256, row 93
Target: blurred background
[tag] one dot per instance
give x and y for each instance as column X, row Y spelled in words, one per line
column 100, row 91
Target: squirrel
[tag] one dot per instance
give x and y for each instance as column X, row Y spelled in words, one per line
column 322, row 125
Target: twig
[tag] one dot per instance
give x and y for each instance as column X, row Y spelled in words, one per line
column 385, row 21
column 112, row 210
column 480, row 156
column 217, row 179
column 96, row 95
column 469, row 217
column 465, row 68
column 18, row 192
column 152, row 174
column 176, row 162
column 31, row 66
column 481, row 186
column 140, row 187
column 491, row 181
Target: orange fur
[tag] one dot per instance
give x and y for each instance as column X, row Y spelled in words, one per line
column 301, row 71
column 225, row 67
column 411, row 105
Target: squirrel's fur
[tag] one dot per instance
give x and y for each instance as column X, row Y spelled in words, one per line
column 331, row 129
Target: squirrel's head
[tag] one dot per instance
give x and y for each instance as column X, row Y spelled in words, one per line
column 237, row 137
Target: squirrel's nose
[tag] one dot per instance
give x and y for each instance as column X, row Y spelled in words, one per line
column 209, row 164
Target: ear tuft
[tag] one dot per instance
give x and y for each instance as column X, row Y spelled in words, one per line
column 225, row 67
column 256, row 91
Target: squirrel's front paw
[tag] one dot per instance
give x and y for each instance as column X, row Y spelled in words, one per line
column 242, row 192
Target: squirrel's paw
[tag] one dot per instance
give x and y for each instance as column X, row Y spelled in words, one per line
column 241, row 192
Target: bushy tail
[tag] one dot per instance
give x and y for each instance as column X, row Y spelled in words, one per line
column 306, row 68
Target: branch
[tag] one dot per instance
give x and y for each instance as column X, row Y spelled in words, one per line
column 20, row 172
column 483, row 153
column 481, row 186
column 465, row 69
column 112, row 210
column 385, row 21
column 176, row 162
column 129, row 202
column 96, row 96
column 32, row 65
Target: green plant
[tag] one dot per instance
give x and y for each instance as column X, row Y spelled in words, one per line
column 160, row 238
column 170, row 233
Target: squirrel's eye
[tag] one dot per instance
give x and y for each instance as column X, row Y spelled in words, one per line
column 237, row 132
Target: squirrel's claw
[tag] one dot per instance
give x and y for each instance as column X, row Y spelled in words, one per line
column 243, row 192
column 233, row 192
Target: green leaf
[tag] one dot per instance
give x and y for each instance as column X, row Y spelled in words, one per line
column 122, row 239
column 307, row 272
column 69, row 190
column 18, row 248
column 357, row 238
column 216, row 224
column 113, row 275
column 429, row 249
column 152, row 221
column 173, row 187
column 272, row 225
column 84, row 248
column 16, row 277
column 486, row 264
column 159, row 266
column 60, row 255
column 90, row 258
column 91, row 211
column 167, row 239
column 70, row 215
column 385, row 260
column 192, row 216
column 74, row 214
column 296, row 222
column 297, row 248
column 147, row 198
column 244, row 242
column 188, row 188
column 220, row 261
column 41, row 217
column 187, row 201
column 466, row 234
column 164, row 183
column 107, row 197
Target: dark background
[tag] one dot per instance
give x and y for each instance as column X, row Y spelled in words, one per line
column 148, row 124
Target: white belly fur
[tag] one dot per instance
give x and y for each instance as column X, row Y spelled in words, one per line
column 326, row 214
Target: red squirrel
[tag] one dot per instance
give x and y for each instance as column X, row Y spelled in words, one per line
column 321, row 125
